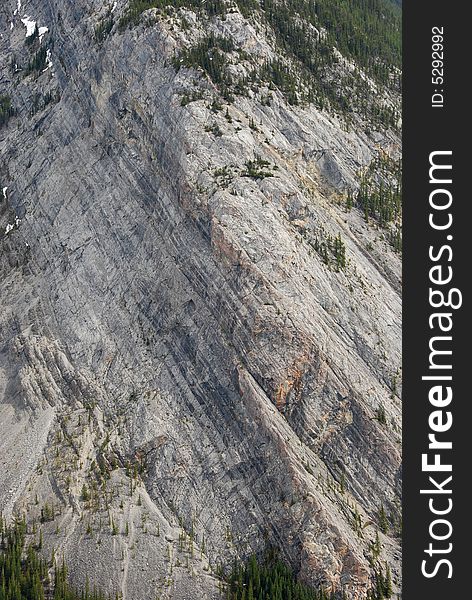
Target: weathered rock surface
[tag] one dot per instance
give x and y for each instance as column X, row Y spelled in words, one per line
column 178, row 368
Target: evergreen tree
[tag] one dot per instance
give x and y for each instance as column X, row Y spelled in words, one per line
column 24, row 574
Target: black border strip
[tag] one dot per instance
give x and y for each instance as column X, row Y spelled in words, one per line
column 428, row 129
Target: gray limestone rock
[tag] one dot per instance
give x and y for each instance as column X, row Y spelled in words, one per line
column 182, row 378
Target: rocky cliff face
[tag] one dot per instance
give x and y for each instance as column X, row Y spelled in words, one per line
column 199, row 343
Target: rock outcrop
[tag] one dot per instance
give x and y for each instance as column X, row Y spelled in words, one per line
column 183, row 378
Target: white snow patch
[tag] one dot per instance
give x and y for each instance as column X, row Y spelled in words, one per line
column 48, row 60
column 4, row 192
column 42, row 31
column 31, row 27
column 11, row 25
column 11, row 226
column 29, row 24
column 114, row 6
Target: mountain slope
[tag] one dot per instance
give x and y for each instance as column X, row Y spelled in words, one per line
column 200, row 338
